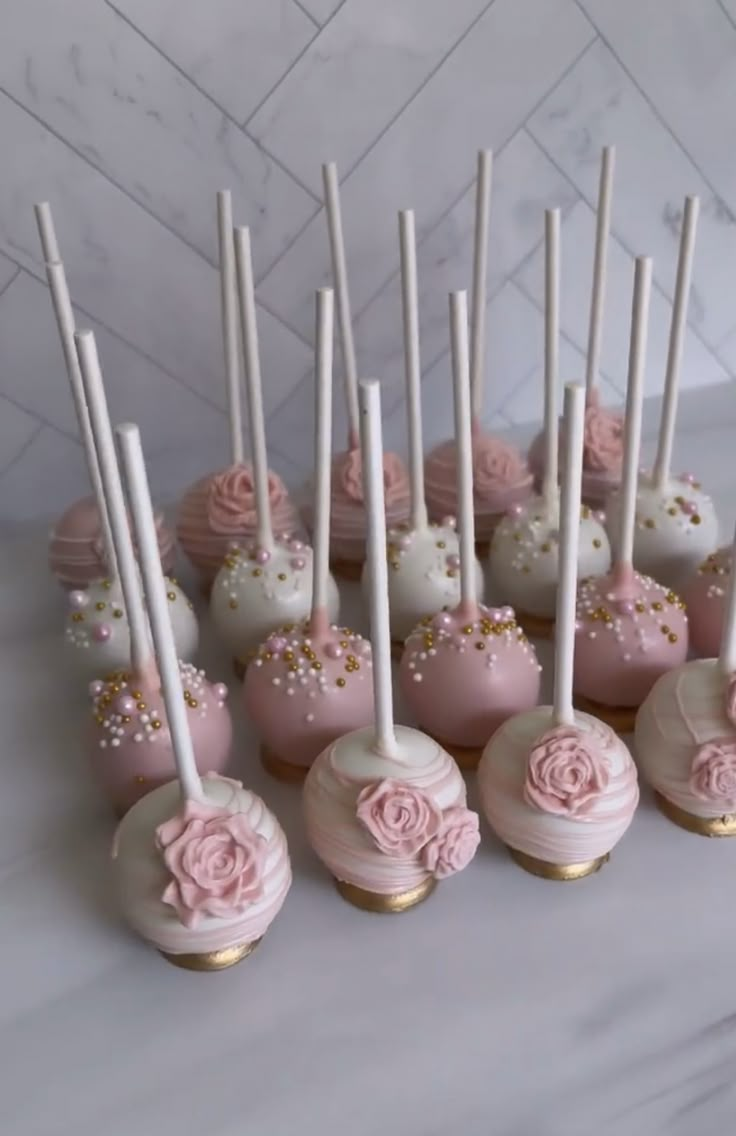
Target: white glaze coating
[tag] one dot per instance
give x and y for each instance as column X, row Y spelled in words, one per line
column 524, row 555
column 141, row 876
column 546, row 836
column 675, row 528
column 330, row 795
column 101, row 605
column 256, row 592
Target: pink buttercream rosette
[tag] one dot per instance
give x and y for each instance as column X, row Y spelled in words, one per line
column 564, row 776
column 404, row 822
column 348, row 476
column 603, row 444
column 713, row 772
column 231, row 499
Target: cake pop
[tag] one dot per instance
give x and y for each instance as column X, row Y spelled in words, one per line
column 603, row 441
column 347, row 534
column 557, row 786
column 464, row 671
column 423, row 557
column 310, row 683
column 501, row 477
column 686, row 737
column 704, row 597
column 630, row 629
column 201, row 865
column 385, row 806
column 268, row 582
column 129, row 734
column 676, row 524
column 219, row 510
column 525, row 550
column 79, row 542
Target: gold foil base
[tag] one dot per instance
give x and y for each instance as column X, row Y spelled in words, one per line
column 704, row 826
column 239, row 669
column 548, row 871
column 347, row 569
column 282, row 770
column 372, row 901
column 466, row 757
column 397, row 649
column 536, row 626
column 212, row 960
column 619, row 718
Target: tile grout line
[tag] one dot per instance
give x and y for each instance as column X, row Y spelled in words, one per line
column 13, row 278
column 40, row 426
column 312, row 19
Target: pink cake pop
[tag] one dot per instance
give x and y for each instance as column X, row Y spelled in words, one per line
column 385, row 806
column 348, row 509
column 79, row 543
column 310, row 682
column 557, row 786
column 686, row 737
column 130, row 737
column 501, row 477
column 219, row 510
column 201, row 865
column 464, row 671
column 603, row 439
column 705, row 597
column 630, row 629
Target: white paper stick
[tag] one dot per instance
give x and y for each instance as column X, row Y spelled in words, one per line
column 140, row 644
column 574, row 418
column 410, row 310
column 727, row 655
column 480, row 280
column 678, row 326
column 340, row 279
column 65, row 321
column 229, row 306
column 632, row 424
column 251, row 354
column 598, row 293
column 551, row 351
column 463, row 447
column 322, row 451
column 139, row 498
column 372, row 447
column 47, row 232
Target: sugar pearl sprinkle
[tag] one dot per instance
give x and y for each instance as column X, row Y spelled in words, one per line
column 717, row 566
column 536, row 537
column 265, row 575
column 124, row 712
column 648, row 610
column 447, row 562
column 676, row 510
column 489, row 638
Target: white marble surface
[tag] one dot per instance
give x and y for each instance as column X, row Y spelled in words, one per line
column 503, row 1005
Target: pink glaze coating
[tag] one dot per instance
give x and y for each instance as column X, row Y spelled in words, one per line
column 603, row 452
column 705, row 600
column 501, row 479
column 194, row 878
column 130, row 742
column 77, row 551
column 565, row 795
column 629, row 631
column 387, row 823
column 307, row 686
column 219, row 511
column 462, row 677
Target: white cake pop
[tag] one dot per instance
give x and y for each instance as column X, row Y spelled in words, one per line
column 558, row 786
column 385, row 806
column 524, row 559
column 705, row 601
column 267, row 583
column 424, row 558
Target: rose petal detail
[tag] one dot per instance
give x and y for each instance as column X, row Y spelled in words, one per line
column 347, row 473
column 454, row 846
column 565, row 775
column 713, row 772
column 231, row 499
column 399, row 818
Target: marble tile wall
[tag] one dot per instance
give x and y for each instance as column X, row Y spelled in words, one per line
column 128, row 115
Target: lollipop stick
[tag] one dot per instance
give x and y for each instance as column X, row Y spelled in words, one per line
column 574, row 411
column 140, row 647
column 340, row 277
column 372, row 447
column 163, row 637
column 727, row 656
column 322, row 456
column 410, row 310
column 677, row 340
column 598, row 294
column 47, row 232
column 463, row 446
column 228, row 300
column 632, row 424
column 251, row 353
column 480, row 279
column 551, row 351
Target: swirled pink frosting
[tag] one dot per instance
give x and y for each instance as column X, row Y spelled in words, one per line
column 705, row 600
column 220, row 509
column 77, row 551
column 501, row 478
column 713, row 773
column 348, row 517
column 565, row 774
column 602, row 453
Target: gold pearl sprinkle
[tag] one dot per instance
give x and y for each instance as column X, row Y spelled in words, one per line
column 78, row 617
column 140, row 779
column 316, row 665
column 125, row 718
column 451, row 572
column 289, row 656
column 282, row 575
column 107, row 584
column 547, row 546
column 664, row 629
column 649, row 523
column 257, row 572
column 695, row 519
column 596, row 542
column 140, row 706
column 468, row 629
column 232, row 604
column 442, row 544
column 672, row 511
column 672, row 637
column 640, row 607
column 480, row 645
column 193, row 704
column 117, row 613
column 156, row 724
column 657, row 606
column 171, row 596
column 136, row 693
column 100, row 606
column 340, row 681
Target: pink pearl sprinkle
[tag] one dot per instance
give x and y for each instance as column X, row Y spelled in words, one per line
column 101, row 632
column 516, row 510
column 449, row 522
column 508, row 612
column 689, row 508
column 297, row 563
column 125, row 704
column 233, row 546
column 78, row 599
column 96, row 688
column 625, row 607
column 262, row 556
column 277, row 643
column 220, row 691
column 333, row 650
column 443, row 619
column 688, row 478
column 403, row 542
column 296, row 545
column 496, row 615
column 453, row 560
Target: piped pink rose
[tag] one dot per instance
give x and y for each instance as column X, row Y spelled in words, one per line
column 496, row 465
column 348, row 476
column 215, row 860
column 399, row 818
column 565, row 775
column 713, row 772
column 455, row 844
column 231, row 499
column 603, row 440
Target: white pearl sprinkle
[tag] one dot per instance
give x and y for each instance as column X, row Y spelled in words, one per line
column 417, row 677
